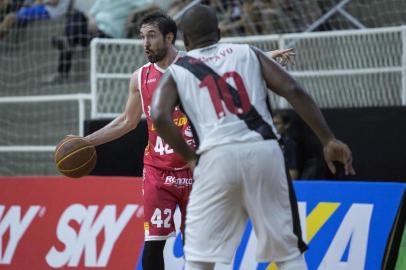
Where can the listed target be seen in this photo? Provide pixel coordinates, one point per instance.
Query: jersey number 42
(161, 147)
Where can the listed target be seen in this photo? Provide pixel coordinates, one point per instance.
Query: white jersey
(224, 95)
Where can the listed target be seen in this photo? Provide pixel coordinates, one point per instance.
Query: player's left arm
(281, 83)
(163, 104)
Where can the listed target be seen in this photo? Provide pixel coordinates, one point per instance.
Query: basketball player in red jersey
(167, 181)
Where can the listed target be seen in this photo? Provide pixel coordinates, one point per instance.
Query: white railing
(80, 98)
(361, 57)
(351, 68)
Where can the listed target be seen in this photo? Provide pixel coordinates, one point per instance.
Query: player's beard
(157, 55)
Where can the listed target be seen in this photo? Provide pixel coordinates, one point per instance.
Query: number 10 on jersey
(236, 100)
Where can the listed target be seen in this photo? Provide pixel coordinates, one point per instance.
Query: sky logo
(84, 242)
(14, 222)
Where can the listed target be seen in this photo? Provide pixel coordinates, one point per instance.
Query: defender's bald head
(199, 25)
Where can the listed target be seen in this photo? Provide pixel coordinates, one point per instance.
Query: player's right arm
(280, 82)
(126, 121)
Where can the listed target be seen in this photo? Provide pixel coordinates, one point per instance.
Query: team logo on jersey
(146, 227)
(180, 121)
(152, 80)
(188, 132)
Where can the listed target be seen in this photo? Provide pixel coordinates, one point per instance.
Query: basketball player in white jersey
(222, 88)
(158, 32)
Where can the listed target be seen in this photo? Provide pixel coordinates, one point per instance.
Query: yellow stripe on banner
(272, 266)
(317, 218)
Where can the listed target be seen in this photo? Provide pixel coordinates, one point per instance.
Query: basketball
(75, 157)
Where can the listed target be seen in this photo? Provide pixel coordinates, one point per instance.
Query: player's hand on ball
(336, 150)
(75, 156)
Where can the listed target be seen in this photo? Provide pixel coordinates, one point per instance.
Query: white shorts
(234, 182)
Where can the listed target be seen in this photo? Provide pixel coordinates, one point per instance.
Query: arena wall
(377, 137)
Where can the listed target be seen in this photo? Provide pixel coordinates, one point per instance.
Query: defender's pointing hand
(336, 150)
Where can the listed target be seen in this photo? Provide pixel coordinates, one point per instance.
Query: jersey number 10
(236, 100)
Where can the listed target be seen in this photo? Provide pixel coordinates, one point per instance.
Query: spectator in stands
(249, 17)
(232, 22)
(282, 123)
(295, 15)
(9, 6)
(132, 26)
(292, 20)
(106, 19)
(39, 10)
(176, 6)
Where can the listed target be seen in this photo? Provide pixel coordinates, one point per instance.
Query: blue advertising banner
(346, 225)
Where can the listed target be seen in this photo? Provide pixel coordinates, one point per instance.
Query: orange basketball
(75, 157)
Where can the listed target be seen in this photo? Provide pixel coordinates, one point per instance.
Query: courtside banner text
(346, 225)
(62, 223)
(96, 223)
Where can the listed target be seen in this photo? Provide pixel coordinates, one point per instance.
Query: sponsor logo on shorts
(181, 181)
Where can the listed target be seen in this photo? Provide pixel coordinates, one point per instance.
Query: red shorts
(163, 191)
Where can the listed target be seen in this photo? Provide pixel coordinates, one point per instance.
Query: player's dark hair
(165, 23)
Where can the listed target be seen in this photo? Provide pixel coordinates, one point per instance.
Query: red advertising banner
(61, 223)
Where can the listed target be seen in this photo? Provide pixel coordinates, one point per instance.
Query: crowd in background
(84, 20)
(237, 17)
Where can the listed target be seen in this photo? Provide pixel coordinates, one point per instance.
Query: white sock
(296, 263)
(198, 265)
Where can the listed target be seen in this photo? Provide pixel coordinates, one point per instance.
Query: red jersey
(158, 153)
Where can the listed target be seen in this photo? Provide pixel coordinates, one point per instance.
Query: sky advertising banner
(97, 223)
